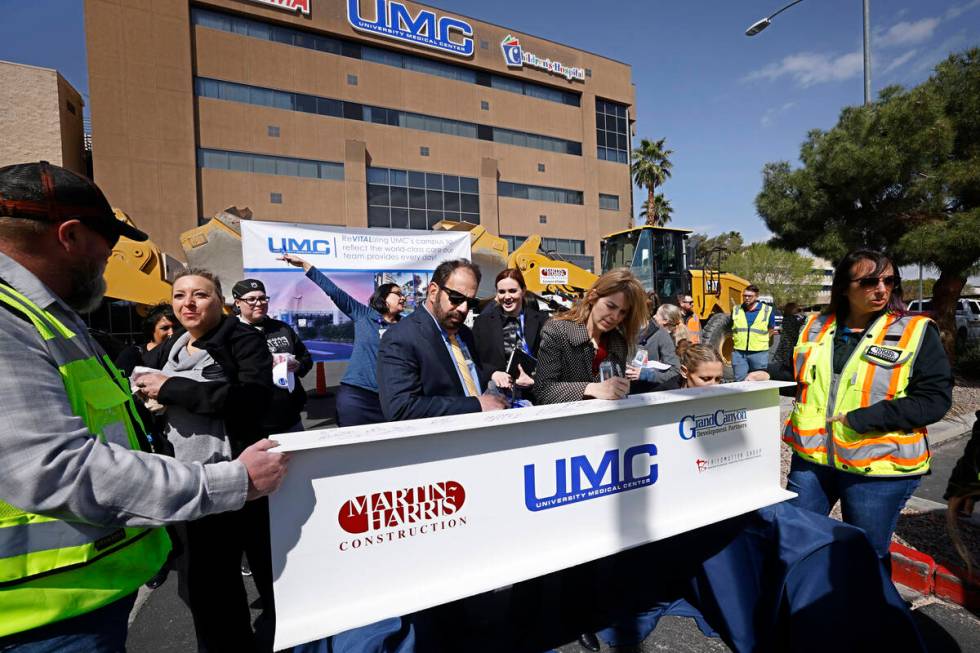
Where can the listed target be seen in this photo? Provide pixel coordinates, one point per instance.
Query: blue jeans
(357, 406)
(744, 362)
(100, 631)
(868, 502)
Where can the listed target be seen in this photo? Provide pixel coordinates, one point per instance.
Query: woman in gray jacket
(658, 339)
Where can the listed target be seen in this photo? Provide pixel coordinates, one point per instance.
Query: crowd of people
(179, 437)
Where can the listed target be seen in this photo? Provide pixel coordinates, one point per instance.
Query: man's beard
(88, 287)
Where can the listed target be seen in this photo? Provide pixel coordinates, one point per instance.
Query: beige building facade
(42, 118)
(376, 113)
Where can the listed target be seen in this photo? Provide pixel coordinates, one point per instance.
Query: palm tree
(651, 168)
(662, 211)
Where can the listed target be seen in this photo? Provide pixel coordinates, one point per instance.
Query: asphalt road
(944, 457)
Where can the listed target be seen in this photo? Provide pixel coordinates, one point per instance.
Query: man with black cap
(78, 498)
(289, 356)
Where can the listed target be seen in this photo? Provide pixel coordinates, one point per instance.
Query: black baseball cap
(50, 193)
(246, 286)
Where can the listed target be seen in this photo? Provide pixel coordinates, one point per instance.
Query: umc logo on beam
(394, 20)
(578, 479)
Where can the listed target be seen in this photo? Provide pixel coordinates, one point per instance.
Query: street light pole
(867, 53)
(763, 23)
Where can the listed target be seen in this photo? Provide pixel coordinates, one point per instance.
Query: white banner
(356, 260)
(383, 520)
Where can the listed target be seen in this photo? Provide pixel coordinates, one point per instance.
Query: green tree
(901, 175)
(730, 242)
(651, 167)
(787, 276)
(662, 211)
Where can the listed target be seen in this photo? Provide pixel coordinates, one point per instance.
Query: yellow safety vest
(754, 337)
(694, 328)
(51, 569)
(878, 370)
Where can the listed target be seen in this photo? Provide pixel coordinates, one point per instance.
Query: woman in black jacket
(509, 322)
(215, 386)
(602, 327)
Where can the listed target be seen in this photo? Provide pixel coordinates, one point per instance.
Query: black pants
(211, 582)
(358, 406)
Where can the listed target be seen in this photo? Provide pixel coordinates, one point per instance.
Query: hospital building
(370, 113)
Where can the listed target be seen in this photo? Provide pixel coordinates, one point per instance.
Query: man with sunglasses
(78, 496)
(252, 306)
(427, 363)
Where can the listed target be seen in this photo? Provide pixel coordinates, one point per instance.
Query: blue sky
(726, 103)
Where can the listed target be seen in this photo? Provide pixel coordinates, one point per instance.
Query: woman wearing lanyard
(508, 323)
(357, 396)
(869, 378)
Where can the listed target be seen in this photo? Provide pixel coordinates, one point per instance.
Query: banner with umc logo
(386, 519)
(356, 260)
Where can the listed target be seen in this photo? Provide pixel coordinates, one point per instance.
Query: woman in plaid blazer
(601, 327)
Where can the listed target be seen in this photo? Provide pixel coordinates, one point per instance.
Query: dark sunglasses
(870, 283)
(456, 298)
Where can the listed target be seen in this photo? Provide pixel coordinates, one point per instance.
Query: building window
(609, 202)
(274, 131)
(588, 72)
(543, 219)
(569, 250)
(539, 193)
(71, 108)
(612, 131)
(341, 47)
(275, 198)
(410, 199)
(513, 242)
(424, 151)
(562, 246)
(351, 80)
(484, 105)
(234, 92)
(269, 165)
(540, 167)
(572, 251)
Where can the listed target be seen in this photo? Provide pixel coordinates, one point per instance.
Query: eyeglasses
(456, 298)
(870, 283)
(253, 301)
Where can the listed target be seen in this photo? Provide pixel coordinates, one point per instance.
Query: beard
(88, 287)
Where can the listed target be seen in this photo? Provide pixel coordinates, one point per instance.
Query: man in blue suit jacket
(427, 363)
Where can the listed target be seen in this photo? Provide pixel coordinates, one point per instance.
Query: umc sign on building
(370, 113)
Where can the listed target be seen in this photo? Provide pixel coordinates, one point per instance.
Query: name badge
(883, 354)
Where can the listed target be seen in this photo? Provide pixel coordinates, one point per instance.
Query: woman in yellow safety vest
(870, 377)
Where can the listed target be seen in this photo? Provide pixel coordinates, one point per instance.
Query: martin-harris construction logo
(513, 53)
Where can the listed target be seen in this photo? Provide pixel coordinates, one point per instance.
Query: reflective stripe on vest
(694, 328)
(52, 569)
(754, 337)
(878, 370)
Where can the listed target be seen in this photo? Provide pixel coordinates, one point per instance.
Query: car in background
(967, 316)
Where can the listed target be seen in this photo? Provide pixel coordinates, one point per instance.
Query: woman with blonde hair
(600, 328)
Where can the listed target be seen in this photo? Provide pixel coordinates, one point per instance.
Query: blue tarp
(777, 579)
